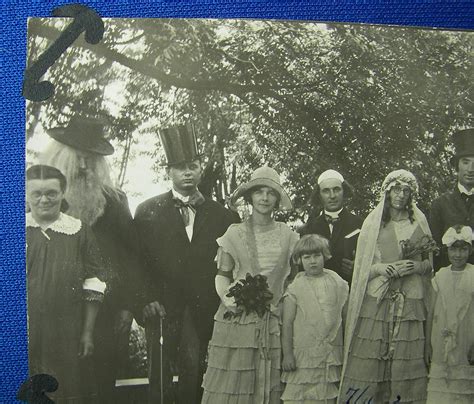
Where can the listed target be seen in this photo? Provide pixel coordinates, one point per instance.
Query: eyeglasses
(50, 195)
(397, 189)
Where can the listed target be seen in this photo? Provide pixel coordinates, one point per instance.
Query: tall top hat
(463, 145)
(83, 133)
(180, 144)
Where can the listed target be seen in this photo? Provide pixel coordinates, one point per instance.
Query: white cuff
(94, 284)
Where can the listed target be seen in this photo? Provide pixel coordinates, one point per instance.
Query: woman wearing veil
(385, 336)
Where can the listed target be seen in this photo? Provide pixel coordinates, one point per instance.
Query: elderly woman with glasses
(385, 337)
(64, 289)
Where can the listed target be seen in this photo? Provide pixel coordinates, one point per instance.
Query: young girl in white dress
(451, 323)
(312, 330)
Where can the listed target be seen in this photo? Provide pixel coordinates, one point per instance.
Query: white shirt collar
(64, 224)
(177, 195)
(464, 190)
(333, 214)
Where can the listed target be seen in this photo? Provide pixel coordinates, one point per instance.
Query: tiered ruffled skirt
(453, 384)
(243, 360)
(316, 378)
(386, 360)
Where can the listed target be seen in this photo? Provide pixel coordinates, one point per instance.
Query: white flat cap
(330, 174)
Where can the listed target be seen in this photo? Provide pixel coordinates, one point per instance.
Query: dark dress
(59, 260)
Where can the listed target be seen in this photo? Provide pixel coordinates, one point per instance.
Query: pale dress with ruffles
(317, 338)
(386, 357)
(451, 378)
(245, 352)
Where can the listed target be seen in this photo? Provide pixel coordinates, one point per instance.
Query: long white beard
(86, 199)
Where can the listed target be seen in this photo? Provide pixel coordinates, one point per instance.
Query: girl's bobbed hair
(310, 244)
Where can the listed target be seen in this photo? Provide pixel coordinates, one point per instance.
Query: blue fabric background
(13, 341)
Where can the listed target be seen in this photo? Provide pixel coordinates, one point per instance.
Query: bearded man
(78, 151)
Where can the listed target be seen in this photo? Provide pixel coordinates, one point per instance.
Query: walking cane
(161, 359)
(150, 359)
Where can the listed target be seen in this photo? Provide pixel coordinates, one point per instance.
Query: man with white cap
(335, 222)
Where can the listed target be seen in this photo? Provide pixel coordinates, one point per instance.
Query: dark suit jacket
(178, 270)
(448, 210)
(340, 246)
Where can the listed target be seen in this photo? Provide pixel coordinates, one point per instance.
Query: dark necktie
(194, 201)
(332, 220)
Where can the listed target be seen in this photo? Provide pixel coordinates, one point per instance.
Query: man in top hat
(178, 232)
(78, 151)
(456, 206)
(335, 223)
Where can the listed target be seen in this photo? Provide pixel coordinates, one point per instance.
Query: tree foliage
(302, 97)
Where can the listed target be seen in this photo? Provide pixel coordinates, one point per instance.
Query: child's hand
(86, 345)
(289, 363)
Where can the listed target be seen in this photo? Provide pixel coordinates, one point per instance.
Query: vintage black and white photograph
(252, 212)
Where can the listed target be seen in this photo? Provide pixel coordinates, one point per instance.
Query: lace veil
(366, 249)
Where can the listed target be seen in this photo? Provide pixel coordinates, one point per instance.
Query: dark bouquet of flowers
(251, 295)
(423, 246)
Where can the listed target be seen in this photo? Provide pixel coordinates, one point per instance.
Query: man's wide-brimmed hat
(83, 133)
(463, 145)
(180, 144)
(263, 177)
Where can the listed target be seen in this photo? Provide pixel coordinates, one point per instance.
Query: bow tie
(331, 220)
(194, 201)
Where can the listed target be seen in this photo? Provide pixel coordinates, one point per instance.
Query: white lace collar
(65, 224)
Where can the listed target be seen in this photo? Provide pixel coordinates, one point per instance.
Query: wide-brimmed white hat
(263, 177)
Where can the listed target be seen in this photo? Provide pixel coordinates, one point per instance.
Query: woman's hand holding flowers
(229, 303)
(250, 294)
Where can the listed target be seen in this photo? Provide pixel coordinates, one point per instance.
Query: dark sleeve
(122, 221)
(231, 218)
(92, 263)
(93, 267)
(129, 288)
(436, 221)
(149, 279)
(307, 228)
